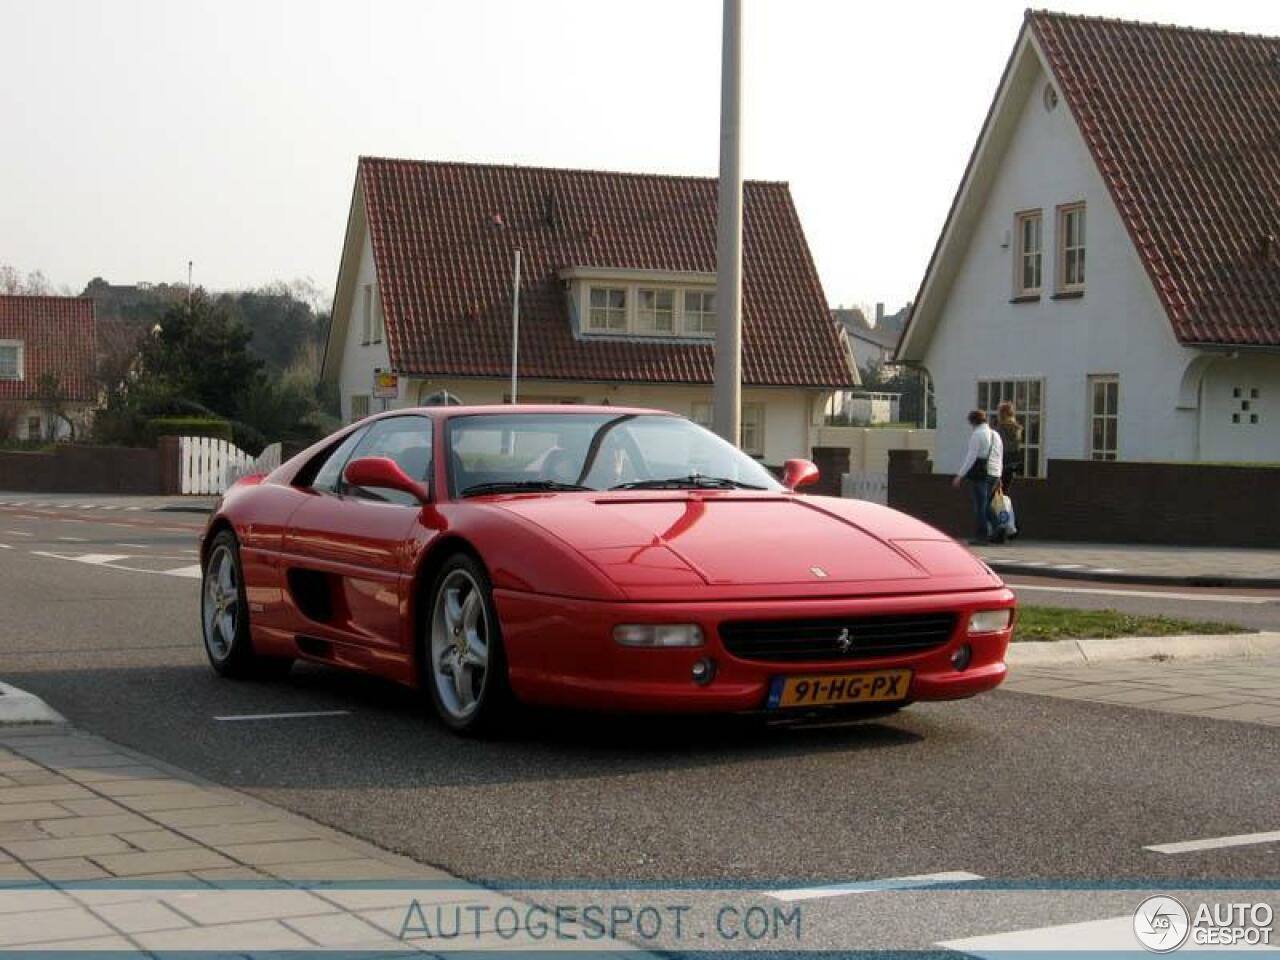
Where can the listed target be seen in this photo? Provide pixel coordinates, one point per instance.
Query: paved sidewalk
(1236, 688)
(106, 849)
(1138, 563)
(106, 503)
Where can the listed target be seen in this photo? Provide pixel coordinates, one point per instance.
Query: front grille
(788, 641)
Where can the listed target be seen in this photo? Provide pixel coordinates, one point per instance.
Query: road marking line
(133, 508)
(74, 539)
(133, 546)
(97, 559)
(871, 886)
(5, 546)
(1149, 594)
(286, 716)
(1216, 843)
(193, 572)
(18, 533)
(1092, 935)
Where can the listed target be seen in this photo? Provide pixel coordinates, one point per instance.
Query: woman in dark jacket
(1010, 431)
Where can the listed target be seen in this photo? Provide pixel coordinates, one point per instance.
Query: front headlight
(990, 621)
(658, 635)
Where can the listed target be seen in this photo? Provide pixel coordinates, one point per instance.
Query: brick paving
(103, 849)
(1105, 559)
(1245, 689)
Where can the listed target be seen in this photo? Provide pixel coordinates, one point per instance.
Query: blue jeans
(983, 518)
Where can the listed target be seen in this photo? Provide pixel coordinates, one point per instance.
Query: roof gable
(1183, 127)
(444, 236)
(58, 336)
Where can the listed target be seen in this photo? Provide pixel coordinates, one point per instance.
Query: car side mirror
(799, 473)
(375, 472)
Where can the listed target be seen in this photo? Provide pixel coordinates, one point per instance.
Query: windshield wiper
(695, 481)
(517, 486)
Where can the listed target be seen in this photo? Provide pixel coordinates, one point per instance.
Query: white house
(53, 338)
(1111, 262)
(617, 296)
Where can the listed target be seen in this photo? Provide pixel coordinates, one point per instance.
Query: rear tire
(464, 664)
(224, 617)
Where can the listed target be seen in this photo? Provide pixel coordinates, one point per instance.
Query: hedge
(158, 427)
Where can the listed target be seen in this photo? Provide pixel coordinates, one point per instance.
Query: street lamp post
(727, 389)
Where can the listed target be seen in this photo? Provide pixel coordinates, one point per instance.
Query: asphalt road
(1007, 786)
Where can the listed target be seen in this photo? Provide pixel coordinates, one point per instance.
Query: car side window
(407, 441)
(328, 478)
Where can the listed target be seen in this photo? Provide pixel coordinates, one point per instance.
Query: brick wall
(77, 468)
(832, 464)
(1085, 500)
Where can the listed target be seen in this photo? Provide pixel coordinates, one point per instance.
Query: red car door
(348, 552)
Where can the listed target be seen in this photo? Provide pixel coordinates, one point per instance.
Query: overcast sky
(138, 134)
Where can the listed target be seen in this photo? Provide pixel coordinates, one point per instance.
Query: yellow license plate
(831, 689)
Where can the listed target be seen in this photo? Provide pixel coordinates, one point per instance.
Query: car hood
(677, 545)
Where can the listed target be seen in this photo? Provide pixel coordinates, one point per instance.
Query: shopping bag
(1002, 507)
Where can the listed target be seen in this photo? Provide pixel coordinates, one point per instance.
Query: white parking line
(192, 572)
(74, 539)
(1092, 935)
(1149, 594)
(5, 546)
(97, 559)
(133, 546)
(1216, 843)
(18, 533)
(286, 716)
(871, 886)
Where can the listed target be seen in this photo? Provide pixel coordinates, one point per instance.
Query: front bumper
(561, 651)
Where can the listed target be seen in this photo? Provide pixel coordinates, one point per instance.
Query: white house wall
(359, 360)
(1118, 327)
(1228, 405)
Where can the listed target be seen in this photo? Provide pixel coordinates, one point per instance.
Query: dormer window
(608, 313)
(657, 304)
(656, 311)
(700, 312)
(11, 360)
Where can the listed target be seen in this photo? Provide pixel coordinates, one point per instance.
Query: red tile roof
(57, 335)
(1184, 126)
(443, 239)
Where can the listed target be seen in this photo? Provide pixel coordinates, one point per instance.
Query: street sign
(386, 385)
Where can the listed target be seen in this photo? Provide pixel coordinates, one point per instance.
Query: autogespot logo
(1161, 924)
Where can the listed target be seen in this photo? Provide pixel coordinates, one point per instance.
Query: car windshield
(493, 453)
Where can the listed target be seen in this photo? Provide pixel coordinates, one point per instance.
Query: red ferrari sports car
(597, 557)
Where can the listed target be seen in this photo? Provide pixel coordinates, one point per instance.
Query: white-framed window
(1104, 416)
(11, 360)
(700, 311)
(359, 406)
(656, 310)
(1029, 257)
(607, 311)
(752, 425)
(1071, 246)
(1027, 396)
(366, 314)
(375, 313)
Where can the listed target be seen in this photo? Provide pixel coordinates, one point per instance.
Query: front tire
(224, 617)
(464, 662)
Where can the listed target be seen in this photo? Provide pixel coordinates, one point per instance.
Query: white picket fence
(210, 465)
(870, 485)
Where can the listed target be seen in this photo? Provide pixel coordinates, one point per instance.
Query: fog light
(704, 671)
(658, 635)
(960, 659)
(990, 621)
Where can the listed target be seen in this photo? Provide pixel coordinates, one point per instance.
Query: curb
(182, 508)
(17, 707)
(1144, 579)
(1196, 647)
